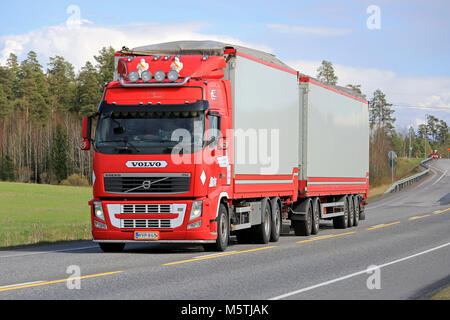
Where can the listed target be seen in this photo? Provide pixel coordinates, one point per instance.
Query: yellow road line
(442, 211)
(383, 225)
(218, 255)
(58, 281)
(326, 237)
(415, 218)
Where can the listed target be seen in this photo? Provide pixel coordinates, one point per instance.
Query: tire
(357, 211)
(342, 221)
(304, 227)
(315, 216)
(275, 229)
(223, 231)
(362, 213)
(261, 233)
(351, 211)
(112, 247)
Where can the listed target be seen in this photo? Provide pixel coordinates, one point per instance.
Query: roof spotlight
(133, 76)
(160, 76)
(146, 76)
(173, 76)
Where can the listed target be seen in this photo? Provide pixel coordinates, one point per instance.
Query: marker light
(173, 76)
(160, 76)
(133, 76)
(146, 76)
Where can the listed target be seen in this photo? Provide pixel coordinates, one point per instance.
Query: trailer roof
(208, 47)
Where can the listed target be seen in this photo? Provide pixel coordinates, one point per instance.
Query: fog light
(195, 224)
(100, 225)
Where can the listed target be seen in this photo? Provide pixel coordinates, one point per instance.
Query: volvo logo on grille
(146, 185)
(146, 164)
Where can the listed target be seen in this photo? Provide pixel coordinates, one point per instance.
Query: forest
(41, 111)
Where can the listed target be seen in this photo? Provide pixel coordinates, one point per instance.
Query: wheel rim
(267, 221)
(223, 228)
(277, 220)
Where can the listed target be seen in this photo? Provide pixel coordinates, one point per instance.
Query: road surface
(401, 251)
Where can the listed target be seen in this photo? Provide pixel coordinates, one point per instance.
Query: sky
(401, 47)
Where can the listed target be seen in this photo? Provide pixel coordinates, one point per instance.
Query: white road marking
(45, 252)
(356, 273)
(211, 255)
(20, 284)
(440, 178)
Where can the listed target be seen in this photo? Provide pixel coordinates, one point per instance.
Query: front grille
(147, 183)
(146, 208)
(146, 223)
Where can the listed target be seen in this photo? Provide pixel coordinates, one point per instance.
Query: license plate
(146, 235)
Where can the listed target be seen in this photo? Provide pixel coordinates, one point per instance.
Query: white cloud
(414, 96)
(79, 42)
(319, 31)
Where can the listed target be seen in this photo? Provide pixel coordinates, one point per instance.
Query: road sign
(392, 163)
(392, 155)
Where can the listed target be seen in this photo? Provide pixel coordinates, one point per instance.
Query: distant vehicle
(433, 155)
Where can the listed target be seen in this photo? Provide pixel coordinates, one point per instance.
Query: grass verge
(31, 214)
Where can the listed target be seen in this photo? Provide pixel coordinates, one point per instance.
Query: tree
(325, 73)
(60, 154)
(33, 88)
(6, 169)
(105, 65)
(5, 105)
(88, 90)
(380, 112)
(61, 80)
(357, 89)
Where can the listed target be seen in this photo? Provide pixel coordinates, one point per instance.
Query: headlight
(146, 76)
(98, 211)
(133, 76)
(160, 76)
(196, 210)
(173, 76)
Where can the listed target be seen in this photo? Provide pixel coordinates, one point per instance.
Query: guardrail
(399, 185)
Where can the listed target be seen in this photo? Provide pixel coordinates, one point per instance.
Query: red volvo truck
(197, 141)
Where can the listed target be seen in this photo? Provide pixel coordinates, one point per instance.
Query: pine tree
(88, 90)
(325, 73)
(6, 169)
(60, 154)
(105, 65)
(61, 80)
(380, 112)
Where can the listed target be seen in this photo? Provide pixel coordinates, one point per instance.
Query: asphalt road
(401, 251)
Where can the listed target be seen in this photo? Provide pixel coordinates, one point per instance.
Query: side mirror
(85, 145)
(86, 133)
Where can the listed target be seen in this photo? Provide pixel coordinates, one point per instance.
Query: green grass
(31, 214)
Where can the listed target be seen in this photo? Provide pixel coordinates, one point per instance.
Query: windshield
(149, 132)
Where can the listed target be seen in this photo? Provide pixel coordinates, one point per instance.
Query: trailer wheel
(276, 220)
(362, 213)
(262, 232)
(315, 216)
(112, 247)
(341, 222)
(351, 211)
(357, 211)
(303, 227)
(223, 231)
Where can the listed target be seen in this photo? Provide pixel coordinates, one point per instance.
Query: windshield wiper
(127, 146)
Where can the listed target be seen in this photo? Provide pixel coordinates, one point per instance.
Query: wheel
(112, 247)
(315, 216)
(303, 227)
(276, 220)
(357, 211)
(341, 222)
(223, 229)
(351, 211)
(262, 232)
(362, 213)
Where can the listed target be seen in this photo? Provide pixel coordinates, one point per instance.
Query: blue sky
(408, 57)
